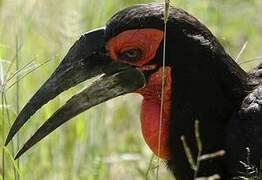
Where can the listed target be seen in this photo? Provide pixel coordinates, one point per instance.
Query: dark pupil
(131, 54)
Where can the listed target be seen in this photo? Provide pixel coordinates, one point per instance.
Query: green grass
(104, 142)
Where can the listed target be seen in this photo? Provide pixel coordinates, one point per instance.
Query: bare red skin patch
(148, 41)
(150, 112)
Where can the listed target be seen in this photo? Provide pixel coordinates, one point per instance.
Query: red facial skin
(148, 40)
(150, 112)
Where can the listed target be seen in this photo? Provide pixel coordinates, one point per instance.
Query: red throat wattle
(148, 41)
(150, 112)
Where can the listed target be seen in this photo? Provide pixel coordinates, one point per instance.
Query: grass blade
(22, 77)
(166, 15)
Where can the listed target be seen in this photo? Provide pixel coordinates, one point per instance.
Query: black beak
(85, 59)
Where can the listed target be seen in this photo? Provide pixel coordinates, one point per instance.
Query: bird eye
(130, 55)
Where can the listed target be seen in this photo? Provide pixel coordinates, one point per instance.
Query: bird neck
(234, 81)
(207, 86)
(154, 122)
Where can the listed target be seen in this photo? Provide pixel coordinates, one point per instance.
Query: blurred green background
(104, 142)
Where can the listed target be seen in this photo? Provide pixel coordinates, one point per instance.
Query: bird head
(127, 53)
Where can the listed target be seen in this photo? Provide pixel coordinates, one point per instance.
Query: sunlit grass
(104, 142)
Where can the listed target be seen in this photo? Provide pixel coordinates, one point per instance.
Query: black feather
(207, 85)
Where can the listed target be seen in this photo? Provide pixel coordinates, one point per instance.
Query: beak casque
(85, 59)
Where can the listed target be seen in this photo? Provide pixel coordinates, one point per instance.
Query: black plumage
(208, 85)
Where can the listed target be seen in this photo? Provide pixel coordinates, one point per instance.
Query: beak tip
(6, 143)
(13, 130)
(8, 139)
(16, 157)
(20, 153)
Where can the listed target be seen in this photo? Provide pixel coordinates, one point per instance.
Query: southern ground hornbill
(201, 82)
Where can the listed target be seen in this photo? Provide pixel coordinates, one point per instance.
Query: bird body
(201, 82)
